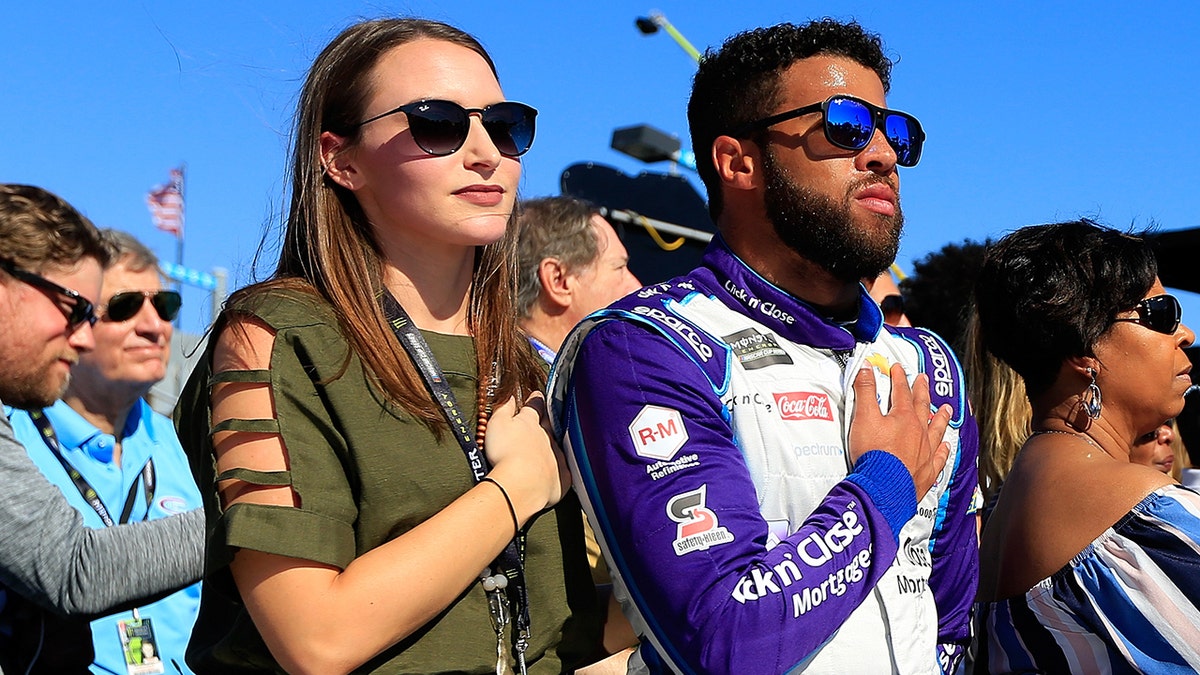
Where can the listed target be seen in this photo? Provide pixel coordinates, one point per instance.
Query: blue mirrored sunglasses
(851, 122)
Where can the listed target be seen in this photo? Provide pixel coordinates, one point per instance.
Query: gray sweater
(51, 558)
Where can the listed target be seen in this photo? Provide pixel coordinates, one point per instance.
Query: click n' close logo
(698, 529)
(803, 405)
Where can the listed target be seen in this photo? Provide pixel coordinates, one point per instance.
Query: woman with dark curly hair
(1090, 563)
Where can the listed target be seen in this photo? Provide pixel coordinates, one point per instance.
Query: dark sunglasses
(851, 122)
(124, 305)
(440, 127)
(74, 306)
(1160, 313)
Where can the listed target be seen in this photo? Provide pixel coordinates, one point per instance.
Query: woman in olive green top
(349, 530)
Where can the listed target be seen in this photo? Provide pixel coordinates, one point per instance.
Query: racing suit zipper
(843, 358)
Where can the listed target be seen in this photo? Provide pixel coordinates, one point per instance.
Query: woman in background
(1090, 563)
(1001, 408)
(378, 478)
(1161, 449)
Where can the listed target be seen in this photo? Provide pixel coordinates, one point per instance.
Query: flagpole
(182, 221)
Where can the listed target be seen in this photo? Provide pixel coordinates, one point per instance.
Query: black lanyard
(509, 562)
(85, 488)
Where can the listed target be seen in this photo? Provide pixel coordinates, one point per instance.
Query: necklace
(508, 602)
(1085, 437)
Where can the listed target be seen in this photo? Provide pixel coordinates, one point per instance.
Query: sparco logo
(803, 405)
(685, 331)
(942, 378)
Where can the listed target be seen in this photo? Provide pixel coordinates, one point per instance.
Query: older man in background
(571, 264)
(115, 459)
(50, 276)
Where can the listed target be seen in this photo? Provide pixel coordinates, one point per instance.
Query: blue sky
(1035, 112)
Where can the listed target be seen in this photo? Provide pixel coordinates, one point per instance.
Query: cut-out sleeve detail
(365, 473)
(251, 426)
(264, 478)
(279, 475)
(251, 376)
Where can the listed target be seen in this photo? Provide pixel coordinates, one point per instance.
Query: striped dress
(1128, 603)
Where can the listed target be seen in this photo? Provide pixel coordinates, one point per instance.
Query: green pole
(677, 36)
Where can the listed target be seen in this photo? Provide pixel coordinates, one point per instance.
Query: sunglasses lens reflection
(902, 133)
(81, 313)
(167, 304)
(124, 305)
(1163, 313)
(848, 124)
(510, 126)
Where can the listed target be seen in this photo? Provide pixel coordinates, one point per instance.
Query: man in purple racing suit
(755, 517)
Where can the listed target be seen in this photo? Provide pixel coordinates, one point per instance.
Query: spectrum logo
(803, 405)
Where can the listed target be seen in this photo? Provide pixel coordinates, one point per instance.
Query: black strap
(423, 358)
(509, 562)
(85, 488)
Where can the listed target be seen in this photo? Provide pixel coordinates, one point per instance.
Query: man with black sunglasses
(757, 452)
(51, 564)
(103, 439)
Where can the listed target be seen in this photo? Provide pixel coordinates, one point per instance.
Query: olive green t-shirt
(366, 472)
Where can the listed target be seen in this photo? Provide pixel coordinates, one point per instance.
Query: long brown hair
(330, 248)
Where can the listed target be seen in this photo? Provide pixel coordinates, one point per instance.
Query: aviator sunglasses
(440, 127)
(1160, 313)
(851, 122)
(124, 305)
(74, 306)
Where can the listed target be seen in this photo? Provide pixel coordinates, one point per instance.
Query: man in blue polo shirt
(115, 459)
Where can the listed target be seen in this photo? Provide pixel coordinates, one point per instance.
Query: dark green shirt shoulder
(366, 472)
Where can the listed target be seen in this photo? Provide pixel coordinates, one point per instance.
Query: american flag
(166, 204)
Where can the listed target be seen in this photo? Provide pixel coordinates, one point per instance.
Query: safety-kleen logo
(698, 529)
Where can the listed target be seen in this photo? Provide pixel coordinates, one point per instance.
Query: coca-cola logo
(803, 405)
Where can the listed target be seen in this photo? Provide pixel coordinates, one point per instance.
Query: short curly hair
(739, 83)
(1047, 293)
